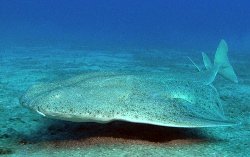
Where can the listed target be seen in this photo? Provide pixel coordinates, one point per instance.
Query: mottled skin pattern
(144, 98)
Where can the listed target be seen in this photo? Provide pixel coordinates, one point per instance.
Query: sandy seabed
(24, 133)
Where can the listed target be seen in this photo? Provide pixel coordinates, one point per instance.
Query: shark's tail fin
(221, 63)
(221, 60)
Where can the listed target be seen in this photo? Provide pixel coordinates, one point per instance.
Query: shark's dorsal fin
(207, 62)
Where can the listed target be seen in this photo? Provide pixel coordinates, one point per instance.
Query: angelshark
(150, 98)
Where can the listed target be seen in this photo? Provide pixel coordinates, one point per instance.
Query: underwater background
(47, 40)
(183, 24)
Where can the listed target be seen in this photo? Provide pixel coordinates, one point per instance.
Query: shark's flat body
(136, 97)
(104, 97)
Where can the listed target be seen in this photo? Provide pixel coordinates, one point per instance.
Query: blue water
(181, 24)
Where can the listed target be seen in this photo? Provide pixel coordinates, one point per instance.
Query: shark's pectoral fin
(189, 115)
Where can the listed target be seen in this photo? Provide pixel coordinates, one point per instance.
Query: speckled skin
(144, 98)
